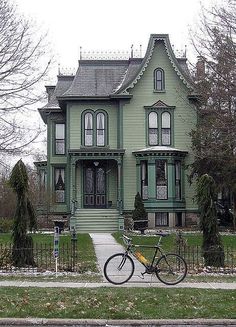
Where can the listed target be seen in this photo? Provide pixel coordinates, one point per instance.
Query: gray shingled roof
(97, 77)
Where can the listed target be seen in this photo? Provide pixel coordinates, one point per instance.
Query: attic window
(159, 79)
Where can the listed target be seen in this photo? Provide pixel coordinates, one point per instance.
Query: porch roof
(104, 153)
(159, 149)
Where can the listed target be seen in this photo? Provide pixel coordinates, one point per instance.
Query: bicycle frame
(131, 249)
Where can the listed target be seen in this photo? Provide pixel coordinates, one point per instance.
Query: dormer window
(159, 80)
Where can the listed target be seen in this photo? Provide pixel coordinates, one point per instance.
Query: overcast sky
(110, 24)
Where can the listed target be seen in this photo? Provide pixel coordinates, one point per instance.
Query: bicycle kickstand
(142, 275)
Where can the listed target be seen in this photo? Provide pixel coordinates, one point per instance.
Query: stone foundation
(47, 221)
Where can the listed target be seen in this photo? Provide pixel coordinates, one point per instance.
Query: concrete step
(95, 220)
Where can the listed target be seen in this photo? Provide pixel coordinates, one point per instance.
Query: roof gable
(178, 65)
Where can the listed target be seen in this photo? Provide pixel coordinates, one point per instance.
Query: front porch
(96, 193)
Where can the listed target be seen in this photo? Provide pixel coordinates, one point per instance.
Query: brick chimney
(49, 89)
(200, 68)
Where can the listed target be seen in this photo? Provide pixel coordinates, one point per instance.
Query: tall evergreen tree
(24, 220)
(139, 214)
(213, 251)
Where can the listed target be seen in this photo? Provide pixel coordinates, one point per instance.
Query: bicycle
(170, 268)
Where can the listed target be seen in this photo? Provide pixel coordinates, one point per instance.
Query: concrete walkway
(105, 245)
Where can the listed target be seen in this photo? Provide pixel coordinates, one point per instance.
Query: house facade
(118, 127)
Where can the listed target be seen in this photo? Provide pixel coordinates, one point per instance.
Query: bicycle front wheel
(119, 268)
(171, 269)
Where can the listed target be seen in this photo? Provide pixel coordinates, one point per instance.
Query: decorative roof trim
(153, 39)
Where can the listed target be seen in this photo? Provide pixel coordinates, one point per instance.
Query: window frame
(165, 128)
(152, 128)
(160, 80)
(159, 112)
(162, 218)
(55, 168)
(59, 139)
(166, 179)
(94, 128)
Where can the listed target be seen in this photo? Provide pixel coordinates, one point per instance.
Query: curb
(115, 323)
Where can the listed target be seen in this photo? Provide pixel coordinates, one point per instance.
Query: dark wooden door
(94, 187)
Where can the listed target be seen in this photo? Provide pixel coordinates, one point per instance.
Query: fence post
(74, 248)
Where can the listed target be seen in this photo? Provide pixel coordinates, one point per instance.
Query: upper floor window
(152, 128)
(159, 80)
(159, 128)
(165, 128)
(95, 128)
(59, 138)
(100, 129)
(88, 129)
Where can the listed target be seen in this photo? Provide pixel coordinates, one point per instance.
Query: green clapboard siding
(134, 127)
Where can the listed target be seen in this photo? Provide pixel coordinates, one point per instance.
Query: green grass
(168, 243)
(117, 303)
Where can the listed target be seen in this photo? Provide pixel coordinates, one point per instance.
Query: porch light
(96, 163)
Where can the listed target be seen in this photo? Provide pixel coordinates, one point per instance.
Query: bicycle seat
(162, 234)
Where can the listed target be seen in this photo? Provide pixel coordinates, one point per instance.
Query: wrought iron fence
(43, 258)
(69, 260)
(196, 263)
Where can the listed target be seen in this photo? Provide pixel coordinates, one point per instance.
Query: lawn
(117, 303)
(169, 243)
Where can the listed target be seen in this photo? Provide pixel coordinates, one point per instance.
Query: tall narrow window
(144, 179)
(60, 138)
(161, 179)
(88, 131)
(159, 79)
(100, 129)
(165, 129)
(178, 180)
(59, 185)
(153, 128)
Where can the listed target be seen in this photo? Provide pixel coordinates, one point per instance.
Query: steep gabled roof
(179, 65)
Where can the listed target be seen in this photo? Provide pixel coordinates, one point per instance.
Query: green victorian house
(115, 128)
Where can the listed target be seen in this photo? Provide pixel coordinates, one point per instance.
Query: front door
(94, 186)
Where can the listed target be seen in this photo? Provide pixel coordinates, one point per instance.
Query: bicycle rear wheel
(119, 268)
(171, 269)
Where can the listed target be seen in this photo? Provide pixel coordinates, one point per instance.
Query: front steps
(95, 220)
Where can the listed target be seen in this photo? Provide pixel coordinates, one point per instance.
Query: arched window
(152, 128)
(159, 79)
(165, 128)
(88, 129)
(100, 125)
